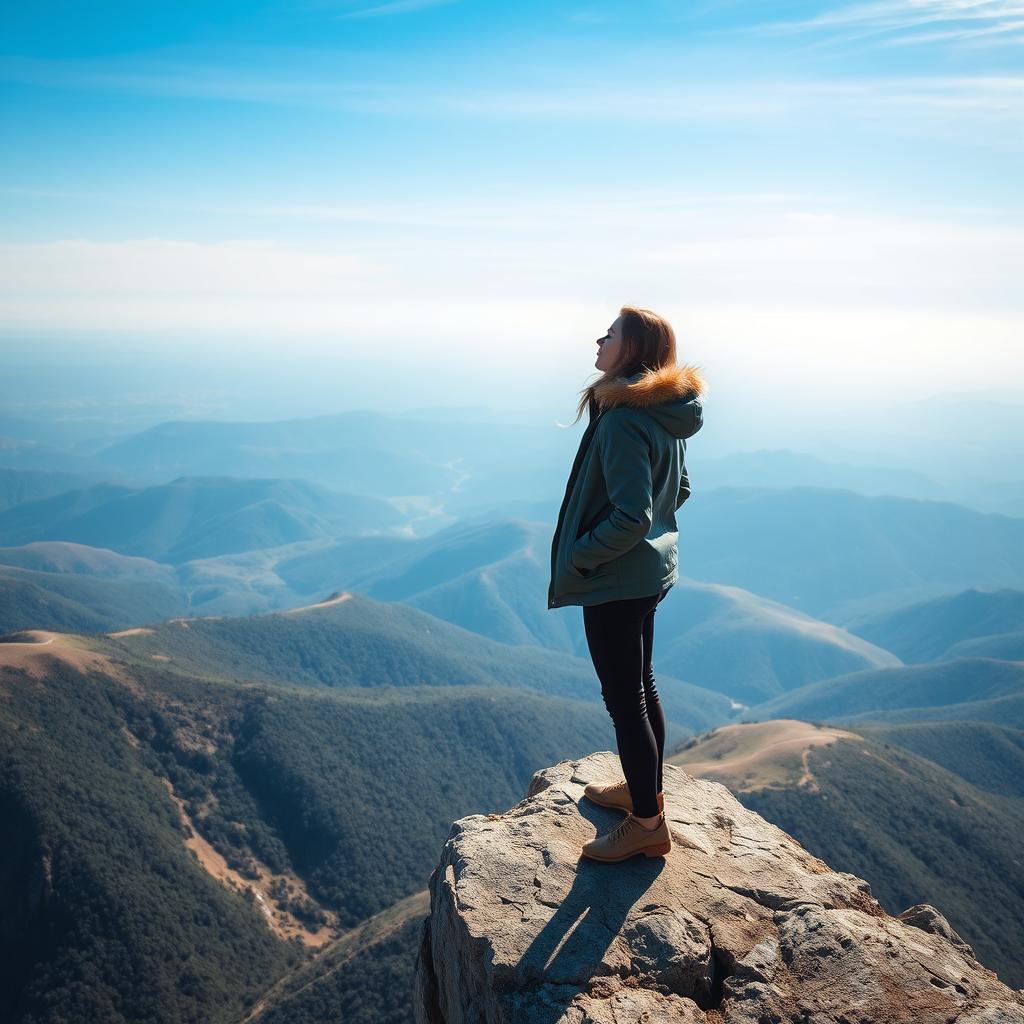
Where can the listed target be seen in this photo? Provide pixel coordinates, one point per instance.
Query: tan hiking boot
(629, 838)
(616, 795)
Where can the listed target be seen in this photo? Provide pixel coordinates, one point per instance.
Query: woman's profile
(615, 552)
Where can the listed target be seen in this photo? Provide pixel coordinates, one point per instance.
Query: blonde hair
(648, 342)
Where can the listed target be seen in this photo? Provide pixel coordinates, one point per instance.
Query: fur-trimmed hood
(671, 394)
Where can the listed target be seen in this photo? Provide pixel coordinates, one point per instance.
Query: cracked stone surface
(738, 924)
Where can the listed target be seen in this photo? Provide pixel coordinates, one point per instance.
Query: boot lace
(622, 828)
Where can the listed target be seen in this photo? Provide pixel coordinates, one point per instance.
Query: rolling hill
(22, 450)
(486, 575)
(84, 604)
(830, 553)
(976, 689)
(784, 467)
(751, 648)
(61, 557)
(350, 640)
(1002, 647)
(357, 452)
(20, 485)
(72, 587)
(195, 517)
(929, 630)
(988, 755)
(454, 460)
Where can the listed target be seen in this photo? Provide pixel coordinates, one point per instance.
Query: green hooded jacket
(616, 535)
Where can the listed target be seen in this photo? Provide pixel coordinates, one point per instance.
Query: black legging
(620, 635)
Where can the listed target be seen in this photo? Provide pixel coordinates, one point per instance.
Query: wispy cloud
(988, 35)
(964, 21)
(750, 250)
(396, 7)
(821, 295)
(756, 99)
(564, 96)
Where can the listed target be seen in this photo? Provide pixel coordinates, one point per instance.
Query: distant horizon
(816, 193)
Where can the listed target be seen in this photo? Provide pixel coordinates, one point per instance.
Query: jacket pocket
(588, 574)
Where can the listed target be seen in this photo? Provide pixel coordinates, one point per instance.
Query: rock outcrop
(739, 923)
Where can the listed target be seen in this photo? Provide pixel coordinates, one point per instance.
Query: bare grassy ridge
(760, 755)
(357, 642)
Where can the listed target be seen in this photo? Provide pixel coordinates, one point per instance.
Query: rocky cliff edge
(739, 923)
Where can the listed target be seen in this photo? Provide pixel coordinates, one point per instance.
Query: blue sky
(825, 184)
(320, 102)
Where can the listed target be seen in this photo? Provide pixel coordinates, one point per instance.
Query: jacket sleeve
(684, 489)
(625, 456)
(684, 477)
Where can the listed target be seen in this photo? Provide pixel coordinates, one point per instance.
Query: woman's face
(609, 348)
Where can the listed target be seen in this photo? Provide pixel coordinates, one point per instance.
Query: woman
(615, 552)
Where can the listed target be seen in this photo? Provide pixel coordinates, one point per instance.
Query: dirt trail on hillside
(344, 949)
(753, 755)
(36, 656)
(278, 918)
(320, 604)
